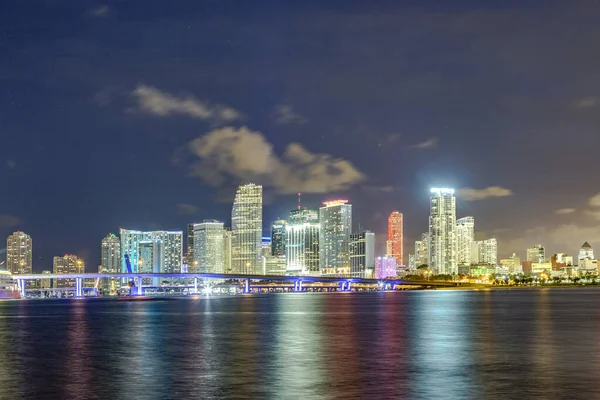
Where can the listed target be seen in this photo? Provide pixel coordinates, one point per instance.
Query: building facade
(395, 240)
(465, 235)
(422, 250)
(484, 252)
(385, 267)
(302, 243)
(246, 230)
(67, 264)
(19, 253)
(335, 219)
(171, 243)
(278, 240)
(585, 253)
(442, 231)
(227, 250)
(209, 247)
(362, 254)
(536, 254)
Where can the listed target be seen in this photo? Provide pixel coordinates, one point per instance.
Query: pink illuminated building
(385, 267)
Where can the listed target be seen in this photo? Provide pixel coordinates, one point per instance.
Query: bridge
(344, 282)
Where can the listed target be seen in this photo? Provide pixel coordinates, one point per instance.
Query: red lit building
(395, 236)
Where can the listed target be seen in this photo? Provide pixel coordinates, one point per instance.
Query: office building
(246, 230)
(302, 242)
(465, 235)
(190, 249)
(442, 231)
(227, 251)
(585, 253)
(484, 252)
(278, 240)
(67, 264)
(422, 250)
(385, 267)
(111, 254)
(362, 254)
(209, 247)
(536, 254)
(19, 252)
(395, 240)
(513, 264)
(335, 219)
(170, 252)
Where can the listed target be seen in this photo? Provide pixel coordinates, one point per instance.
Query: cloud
(595, 201)
(156, 102)
(379, 189)
(470, 194)
(11, 164)
(243, 155)
(428, 144)
(284, 114)
(8, 221)
(586, 102)
(187, 209)
(565, 211)
(594, 214)
(100, 11)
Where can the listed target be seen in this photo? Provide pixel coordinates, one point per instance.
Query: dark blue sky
(146, 114)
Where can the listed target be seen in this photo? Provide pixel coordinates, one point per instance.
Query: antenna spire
(299, 194)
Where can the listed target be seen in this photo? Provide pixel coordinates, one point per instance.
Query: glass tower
(302, 243)
(442, 231)
(246, 230)
(278, 238)
(19, 253)
(209, 247)
(465, 235)
(335, 219)
(170, 242)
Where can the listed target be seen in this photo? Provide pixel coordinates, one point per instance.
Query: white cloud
(586, 102)
(100, 11)
(470, 194)
(187, 209)
(565, 211)
(594, 214)
(156, 102)
(427, 144)
(8, 221)
(243, 155)
(595, 201)
(285, 114)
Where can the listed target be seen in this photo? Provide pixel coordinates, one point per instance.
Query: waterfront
(420, 344)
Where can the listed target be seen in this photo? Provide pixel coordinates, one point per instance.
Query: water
(512, 344)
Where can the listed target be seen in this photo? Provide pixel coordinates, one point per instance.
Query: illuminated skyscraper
(465, 235)
(422, 250)
(395, 240)
(171, 243)
(302, 242)
(334, 237)
(67, 264)
(209, 247)
(227, 250)
(190, 249)
(246, 230)
(111, 254)
(484, 252)
(19, 253)
(442, 231)
(362, 254)
(385, 267)
(278, 238)
(536, 254)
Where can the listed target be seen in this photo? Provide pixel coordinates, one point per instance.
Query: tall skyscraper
(422, 250)
(465, 235)
(302, 242)
(209, 247)
(395, 240)
(536, 254)
(111, 254)
(19, 252)
(334, 237)
(67, 264)
(278, 240)
(484, 252)
(171, 244)
(442, 231)
(362, 254)
(246, 230)
(190, 249)
(227, 267)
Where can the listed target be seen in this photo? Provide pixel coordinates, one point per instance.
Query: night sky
(147, 114)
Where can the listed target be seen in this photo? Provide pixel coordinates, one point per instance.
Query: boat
(9, 289)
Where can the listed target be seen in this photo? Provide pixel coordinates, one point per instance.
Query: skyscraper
(334, 237)
(171, 243)
(227, 250)
(362, 254)
(395, 241)
(385, 267)
(302, 242)
(465, 235)
(442, 231)
(19, 253)
(484, 252)
(246, 230)
(536, 254)
(278, 238)
(190, 249)
(586, 252)
(67, 264)
(111, 254)
(209, 247)
(422, 250)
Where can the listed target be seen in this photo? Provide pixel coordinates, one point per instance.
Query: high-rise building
(536, 254)
(190, 249)
(278, 237)
(385, 267)
(395, 240)
(46, 283)
(171, 244)
(513, 263)
(335, 220)
(246, 230)
(422, 250)
(442, 231)
(302, 242)
(484, 252)
(465, 235)
(19, 253)
(227, 251)
(209, 247)
(362, 254)
(586, 252)
(111, 254)
(67, 264)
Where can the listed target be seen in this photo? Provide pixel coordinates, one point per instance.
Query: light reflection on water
(427, 344)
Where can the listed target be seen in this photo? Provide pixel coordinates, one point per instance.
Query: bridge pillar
(196, 285)
(342, 286)
(298, 285)
(247, 286)
(139, 291)
(349, 288)
(79, 287)
(22, 284)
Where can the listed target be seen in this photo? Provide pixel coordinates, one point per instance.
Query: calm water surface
(423, 345)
